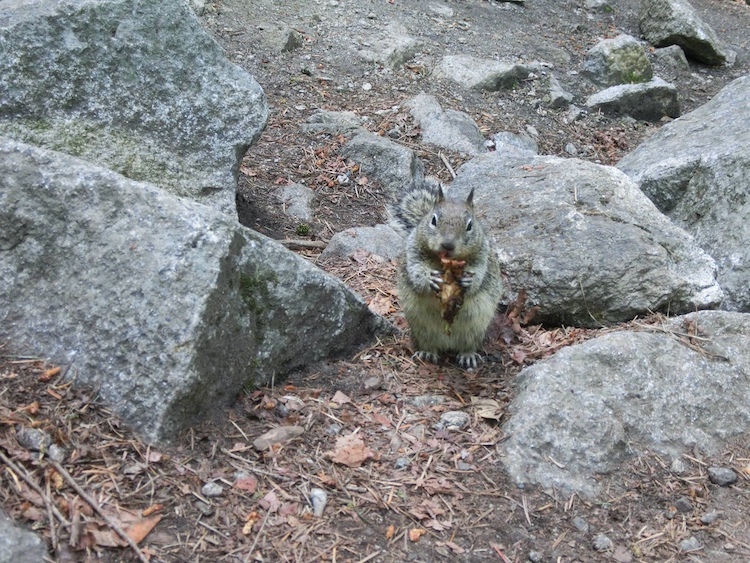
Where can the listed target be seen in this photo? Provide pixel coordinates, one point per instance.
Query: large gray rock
(584, 241)
(650, 101)
(391, 46)
(166, 306)
(18, 545)
(449, 129)
(620, 60)
(675, 22)
(380, 239)
(594, 405)
(138, 87)
(482, 74)
(395, 166)
(697, 171)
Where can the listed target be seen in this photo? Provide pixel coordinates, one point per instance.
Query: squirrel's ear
(470, 199)
(440, 193)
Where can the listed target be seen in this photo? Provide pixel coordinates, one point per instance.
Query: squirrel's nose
(448, 245)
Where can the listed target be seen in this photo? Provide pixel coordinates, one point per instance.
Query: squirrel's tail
(420, 200)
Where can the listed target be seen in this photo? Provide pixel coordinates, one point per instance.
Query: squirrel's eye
(433, 221)
(468, 224)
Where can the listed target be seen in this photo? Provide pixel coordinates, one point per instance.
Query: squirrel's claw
(436, 280)
(425, 356)
(467, 279)
(469, 361)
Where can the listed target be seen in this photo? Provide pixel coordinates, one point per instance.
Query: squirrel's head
(452, 225)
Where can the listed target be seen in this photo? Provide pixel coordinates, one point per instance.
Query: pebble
(709, 517)
(372, 383)
(678, 467)
(333, 429)
(722, 476)
(319, 499)
(454, 420)
(602, 543)
(571, 149)
(56, 453)
(33, 439)
(204, 508)
(683, 505)
(536, 557)
(212, 489)
(402, 463)
(690, 544)
(581, 525)
(366, 86)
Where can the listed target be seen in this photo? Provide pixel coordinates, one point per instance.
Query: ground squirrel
(448, 276)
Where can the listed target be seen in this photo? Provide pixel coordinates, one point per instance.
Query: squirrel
(448, 278)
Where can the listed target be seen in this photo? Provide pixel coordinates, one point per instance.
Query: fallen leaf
(270, 502)
(49, 374)
(142, 528)
(487, 408)
(107, 538)
(351, 451)
(153, 508)
(340, 398)
(381, 305)
(249, 483)
(416, 533)
(382, 420)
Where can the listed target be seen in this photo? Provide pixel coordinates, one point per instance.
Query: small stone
(690, 544)
(421, 401)
(277, 435)
(683, 505)
(333, 429)
(722, 476)
(204, 508)
(536, 557)
(212, 489)
(318, 499)
(56, 453)
(581, 525)
(602, 543)
(571, 149)
(709, 517)
(33, 439)
(401, 463)
(366, 86)
(678, 467)
(454, 420)
(372, 383)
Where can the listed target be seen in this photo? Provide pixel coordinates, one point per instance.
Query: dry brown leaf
(153, 508)
(270, 502)
(142, 528)
(49, 374)
(487, 408)
(249, 483)
(416, 533)
(351, 451)
(381, 305)
(340, 398)
(106, 538)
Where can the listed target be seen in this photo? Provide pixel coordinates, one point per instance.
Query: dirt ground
(367, 428)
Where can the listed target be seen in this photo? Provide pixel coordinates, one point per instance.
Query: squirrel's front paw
(436, 280)
(467, 279)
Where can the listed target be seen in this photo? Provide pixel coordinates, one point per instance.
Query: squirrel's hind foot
(431, 357)
(469, 361)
